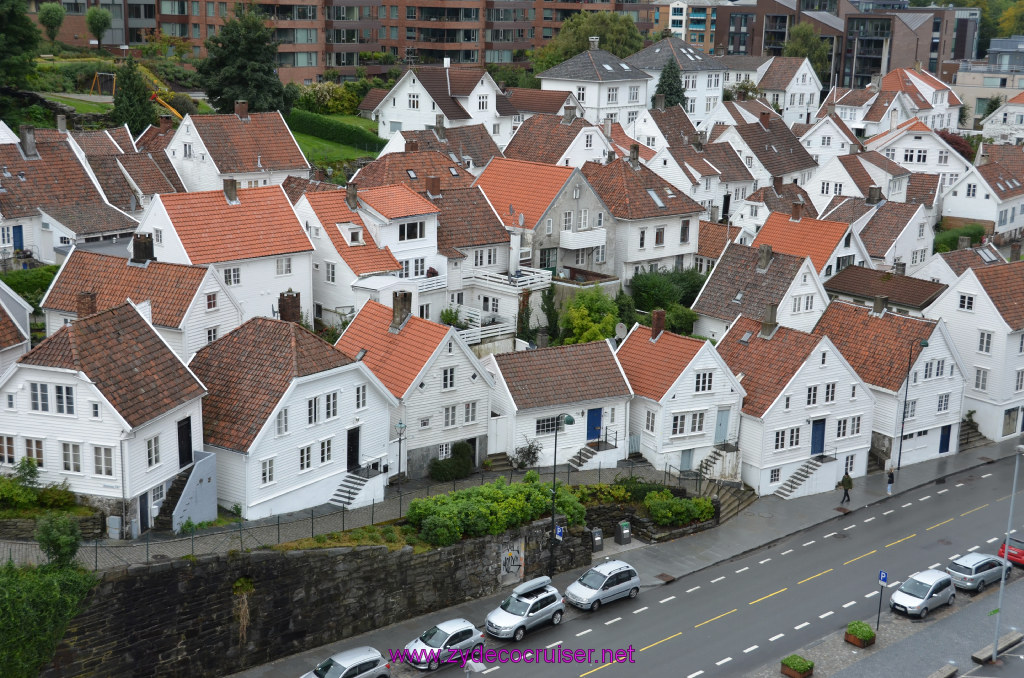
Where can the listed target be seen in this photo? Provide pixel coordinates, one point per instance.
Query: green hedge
(31, 283)
(333, 130)
(946, 241)
(666, 509)
(455, 467)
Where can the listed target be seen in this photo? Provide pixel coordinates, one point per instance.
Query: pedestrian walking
(889, 481)
(847, 484)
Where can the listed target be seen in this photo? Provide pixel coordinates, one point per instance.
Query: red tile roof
(1004, 285)
(808, 237)
(261, 224)
(737, 286)
(714, 237)
(396, 358)
(624, 142)
(855, 168)
(545, 377)
(146, 380)
(843, 96)
(10, 333)
(538, 100)
(776, 147)
(883, 163)
(924, 188)
(556, 133)
(1005, 183)
(780, 73)
(961, 260)
(261, 143)
(248, 371)
(866, 283)
(628, 192)
(1018, 99)
(653, 366)
(522, 187)
(295, 188)
(332, 209)
(888, 221)
(466, 141)
(871, 343)
(912, 125)
(777, 200)
(395, 168)
(396, 201)
(373, 99)
(467, 220)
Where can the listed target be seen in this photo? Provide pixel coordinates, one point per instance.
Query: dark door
(144, 512)
(19, 238)
(594, 423)
(726, 199)
(818, 436)
(944, 438)
(184, 442)
(353, 448)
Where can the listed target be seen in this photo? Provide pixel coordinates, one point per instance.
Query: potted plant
(860, 634)
(796, 666)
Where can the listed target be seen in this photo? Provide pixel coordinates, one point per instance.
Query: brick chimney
(634, 156)
(769, 322)
(85, 304)
(1015, 251)
(401, 308)
(142, 248)
(874, 195)
(242, 109)
(231, 191)
(881, 303)
(412, 146)
(702, 138)
(288, 307)
(831, 110)
(351, 195)
(28, 141)
(568, 115)
(433, 187)
(900, 268)
(659, 102)
(764, 257)
(798, 210)
(963, 242)
(595, 42)
(439, 126)
(765, 119)
(777, 185)
(657, 323)
(611, 157)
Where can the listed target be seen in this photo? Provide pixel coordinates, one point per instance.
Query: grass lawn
(205, 108)
(358, 121)
(392, 536)
(323, 151)
(79, 105)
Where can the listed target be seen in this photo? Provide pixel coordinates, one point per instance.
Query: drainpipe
(124, 495)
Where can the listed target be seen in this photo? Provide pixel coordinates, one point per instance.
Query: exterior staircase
(349, 488)
(500, 463)
(794, 481)
(970, 436)
(732, 500)
(580, 458)
(164, 520)
(707, 464)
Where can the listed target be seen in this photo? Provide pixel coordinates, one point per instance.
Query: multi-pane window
(325, 451)
(284, 266)
(780, 440)
(910, 409)
(34, 450)
(211, 335)
(651, 421)
(448, 378)
(211, 301)
(481, 102)
(684, 231)
(567, 220)
(267, 471)
(281, 422)
(972, 190)
(944, 399)
(830, 393)
(547, 425)
(613, 95)
(984, 342)
(313, 410)
(848, 463)
(305, 458)
(360, 396)
(414, 100)
(72, 453)
(697, 422)
(703, 381)
(7, 450)
(450, 417)
(153, 451)
(444, 450)
(981, 379)
(678, 424)
(855, 425)
(775, 475)
(659, 237)
(940, 367)
(929, 369)
(812, 395)
(40, 397)
(103, 460)
(1020, 381)
(943, 157)
(966, 302)
(232, 276)
(634, 94)
(331, 405)
(470, 413)
(414, 230)
(65, 399)
(329, 271)
(841, 428)
(794, 437)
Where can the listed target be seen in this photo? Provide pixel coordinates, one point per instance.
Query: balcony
(524, 278)
(483, 325)
(578, 240)
(437, 282)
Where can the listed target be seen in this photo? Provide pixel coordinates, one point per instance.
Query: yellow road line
(940, 524)
(859, 557)
(669, 638)
(596, 670)
(817, 575)
(973, 510)
(901, 540)
(709, 621)
(768, 596)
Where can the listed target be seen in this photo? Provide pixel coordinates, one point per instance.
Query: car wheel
(981, 586)
(1006, 575)
(924, 613)
(952, 599)
(432, 666)
(556, 618)
(518, 635)
(596, 605)
(633, 591)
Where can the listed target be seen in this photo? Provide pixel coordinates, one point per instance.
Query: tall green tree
(19, 42)
(590, 316)
(51, 16)
(1011, 22)
(132, 105)
(98, 20)
(242, 64)
(805, 42)
(618, 34)
(671, 85)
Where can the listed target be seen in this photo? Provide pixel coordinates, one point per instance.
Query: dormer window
(355, 236)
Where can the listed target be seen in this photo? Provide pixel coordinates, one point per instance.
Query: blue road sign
(559, 532)
(883, 577)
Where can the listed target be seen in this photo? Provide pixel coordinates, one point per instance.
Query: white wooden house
(791, 84)
(770, 150)
(866, 110)
(947, 267)
(699, 74)
(15, 329)
(991, 194)
(854, 175)
(828, 138)
(1006, 123)
(714, 176)
(930, 100)
(916, 147)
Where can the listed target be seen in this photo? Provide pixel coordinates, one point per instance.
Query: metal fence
(103, 554)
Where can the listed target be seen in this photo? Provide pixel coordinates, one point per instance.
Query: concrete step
(500, 463)
(348, 490)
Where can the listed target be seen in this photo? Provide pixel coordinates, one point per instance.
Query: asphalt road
(732, 617)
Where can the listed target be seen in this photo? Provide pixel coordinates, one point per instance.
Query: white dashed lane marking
(973, 548)
(762, 562)
(809, 543)
(954, 556)
(665, 600)
(868, 520)
(831, 534)
(959, 485)
(723, 661)
(827, 614)
(695, 674)
(742, 569)
(776, 637)
(493, 668)
(693, 589)
(932, 567)
(873, 593)
(639, 611)
(888, 512)
(785, 552)
(943, 491)
(986, 475)
(927, 496)
(612, 621)
(717, 580)
(797, 628)
(895, 583)
(750, 649)
(558, 643)
(583, 633)
(992, 540)
(852, 602)
(909, 503)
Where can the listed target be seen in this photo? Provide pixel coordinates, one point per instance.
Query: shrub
(666, 509)
(798, 663)
(388, 534)
(174, 74)
(333, 130)
(860, 630)
(31, 284)
(56, 496)
(27, 473)
(59, 537)
(14, 495)
(183, 104)
(456, 467)
(441, 530)
(527, 455)
(600, 494)
(704, 509)
(638, 489)
(949, 239)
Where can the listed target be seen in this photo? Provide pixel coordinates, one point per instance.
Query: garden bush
(333, 130)
(455, 467)
(860, 630)
(602, 493)
(31, 284)
(666, 509)
(637, 488)
(946, 241)
(174, 74)
(57, 496)
(59, 537)
(798, 663)
(68, 76)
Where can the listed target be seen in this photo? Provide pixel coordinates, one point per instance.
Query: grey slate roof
(778, 149)
(550, 376)
(594, 65)
(687, 57)
(736, 272)
(742, 62)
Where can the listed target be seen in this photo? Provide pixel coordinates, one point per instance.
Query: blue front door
(594, 423)
(19, 238)
(818, 436)
(944, 438)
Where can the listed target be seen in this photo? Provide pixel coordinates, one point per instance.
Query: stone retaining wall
(608, 516)
(25, 528)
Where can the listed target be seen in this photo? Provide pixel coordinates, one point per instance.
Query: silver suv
(359, 662)
(602, 584)
(923, 591)
(976, 570)
(531, 604)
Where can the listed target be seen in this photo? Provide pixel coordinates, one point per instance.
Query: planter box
(786, 671)
(854, 640)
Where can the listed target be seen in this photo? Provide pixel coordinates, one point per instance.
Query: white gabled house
(930, 100)
(991, 194)
(916, 147)
(791, 84)
(686, 405)
(807, 416)
(830, 245)
(853, 176)
(293, 423)
(699, 74)
(827, 138)
(770, 151)
(712, 175)
(1006, 123)
(15, 329)
(866, 111)
(947, 267)
(591, 388)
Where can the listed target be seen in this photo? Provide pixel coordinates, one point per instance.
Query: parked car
(433, 645)
(602, 584)
(977, 570)
(359, 662)
(531, 604)
(923, 591)
(1016, 554)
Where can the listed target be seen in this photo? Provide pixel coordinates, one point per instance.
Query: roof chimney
(608, 128)
(917, 66)
(982, 159)
(892, 120)
(351, 195)
(765, 118)
(412, 146)
(777, 185)
(86, 304)
(702, 138)
(1015, 251)
(401, 307)
(764, 257)
(595, 42)
(611, 157)
(657, 323)
(142, 248)
(768, 322)
(798, 210)
(439, 126)
(881, 303)
(963, 242)
(714, 213)
(568, 115)
(288, 307)
(28, 141)
(634, 156)
(659, 102)
(900, 268)
(62, 123)
(433, 187)
(242, 109)
(874, 195)
(231, 191)
(831, 110)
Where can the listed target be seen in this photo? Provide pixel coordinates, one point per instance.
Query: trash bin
(598, 536)
(622, 533)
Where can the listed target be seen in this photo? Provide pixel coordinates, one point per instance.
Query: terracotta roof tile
(725, 159)
(628, 192)
(373, 99)
(674, 124)
(912, 125)
(396, 358)
(866, 283)
(845, 209)
(883, 163)
(170, 288)
(593, 65)
(653, 366)
(1004, 285)
(778, 149)
(1009, 156)
(444, 85)
(145, 381)
(332, 209)
(714, 237)
(764, 366)
(10, 333)
(261, 143)
(155, 138)
(295, 188)
(888, 221)
(924, 188)
(623, 141)
(526, 188)
(546, 377)
(557, 136)
(780, 73)
(472, 141)
(466, 220)
(880, 105)
(781, 199)
(538, 100)
(394, 168)
(870, 342)
(1004, 183)
(247, 372)
(736, 286)
(844, 96)
(101, 142)
(261, 224)
(396, 201)
(808, 237)
(855, 168)
(961, 260)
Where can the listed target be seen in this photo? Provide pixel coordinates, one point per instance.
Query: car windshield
(916, 588)
(513, 605)
(1016, 543)
(328, 669)
(433, 637)
(592, 579)
(960, 569)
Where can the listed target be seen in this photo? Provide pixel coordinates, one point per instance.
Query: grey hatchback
(531, 604)
(923, 591)
(606, 582)
(977, 570)
(359, 662)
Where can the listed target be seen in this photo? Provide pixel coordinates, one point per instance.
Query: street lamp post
(554, 480)
(400, 428)
(906, 393)
(1006, 551)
